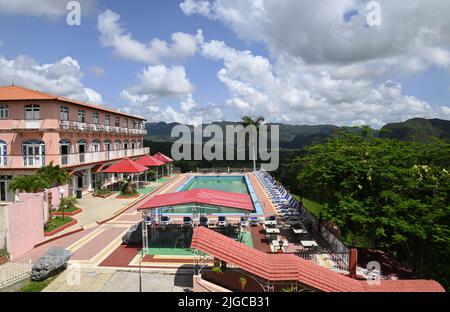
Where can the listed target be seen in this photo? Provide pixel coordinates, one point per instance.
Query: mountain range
(297, 136)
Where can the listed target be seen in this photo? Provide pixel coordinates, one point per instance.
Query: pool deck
(101, 244)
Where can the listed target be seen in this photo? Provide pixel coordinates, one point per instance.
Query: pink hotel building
(38, 128)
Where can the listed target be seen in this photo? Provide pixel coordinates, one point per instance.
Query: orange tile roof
(289, 268)
(17, 93)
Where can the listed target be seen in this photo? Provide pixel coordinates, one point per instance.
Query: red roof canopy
(201, 196)
(289, 268)
(150, 161)
(163, 158)
(126, 166)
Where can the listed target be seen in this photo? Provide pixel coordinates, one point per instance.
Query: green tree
(385, 194)
(28, 184)
(54, 175)
(248, 121)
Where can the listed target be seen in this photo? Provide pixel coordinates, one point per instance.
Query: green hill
(418, 129)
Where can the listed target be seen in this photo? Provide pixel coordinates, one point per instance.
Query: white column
(74, 184)
(89, 179)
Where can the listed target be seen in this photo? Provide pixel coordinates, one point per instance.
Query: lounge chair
(166, 220)
(188, 221)
(222, 221)
(204, 221)
(244, 222)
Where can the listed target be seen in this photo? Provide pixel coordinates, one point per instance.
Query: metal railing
(13, 272)
(78, 126)
(20, 161)
(338, 261)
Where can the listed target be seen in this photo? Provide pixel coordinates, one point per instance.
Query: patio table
(299, 231)
(308, 243)
(272, 231)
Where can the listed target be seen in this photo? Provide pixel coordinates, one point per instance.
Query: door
(80, 182)
(82, 151)
(3, 190)
(64, 154)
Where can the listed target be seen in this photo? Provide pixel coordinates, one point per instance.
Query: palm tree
(54, 175)
(29, 184)
(248, 121)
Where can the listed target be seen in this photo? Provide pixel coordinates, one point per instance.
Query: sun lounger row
(284, 203)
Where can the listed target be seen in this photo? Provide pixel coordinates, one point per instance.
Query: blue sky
(49, 39)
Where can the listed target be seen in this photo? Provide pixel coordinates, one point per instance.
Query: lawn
(55, 223)
(312, 206)
(33, 286)
(70, 209)
(147, 189)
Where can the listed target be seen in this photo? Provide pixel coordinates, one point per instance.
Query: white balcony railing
(33, 124)
(68, 160)
(77, 126)
(84, 158)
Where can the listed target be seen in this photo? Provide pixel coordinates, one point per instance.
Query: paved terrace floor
(92, 246)
(118, 281)
(97, 209)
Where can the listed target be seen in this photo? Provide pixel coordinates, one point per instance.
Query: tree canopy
(386, 194)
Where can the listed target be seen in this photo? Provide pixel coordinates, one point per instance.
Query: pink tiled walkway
(93, 247)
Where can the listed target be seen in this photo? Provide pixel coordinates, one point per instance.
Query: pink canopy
(201, 196)
(162, 157)
(150, 161)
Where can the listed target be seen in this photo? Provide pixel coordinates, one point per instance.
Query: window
(34, 153)
(3, 153)
(117, 122)
(4, 113)
(82, 116)
(134, 124)
(107, 120)
(32, 112)
(125, 123)
(95, 119)
(64, 113)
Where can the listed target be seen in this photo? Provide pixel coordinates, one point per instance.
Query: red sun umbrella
(162, 157)
(150, 161)
(126, 166)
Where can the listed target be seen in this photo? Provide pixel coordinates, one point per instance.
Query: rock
(52, 262)
(134, 235)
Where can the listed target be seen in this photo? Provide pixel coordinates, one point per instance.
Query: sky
(291, 61)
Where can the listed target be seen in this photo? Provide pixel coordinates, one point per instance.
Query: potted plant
(217, 270)
(287, 289)
(242, 282)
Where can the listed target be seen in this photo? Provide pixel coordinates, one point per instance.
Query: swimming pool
(233, 184)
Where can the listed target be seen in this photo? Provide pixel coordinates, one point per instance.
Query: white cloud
(98, 71)
(163, 81)
(42, 8)
(61, 78)
(160, 83)
(322, 68)
(113, 35)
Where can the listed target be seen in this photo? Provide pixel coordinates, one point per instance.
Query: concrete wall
(200, 285)
(55, 199)
(25, 224)
(3, 228)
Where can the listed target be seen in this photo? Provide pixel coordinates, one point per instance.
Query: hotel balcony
(68, 160)
(78, 126)
(65, 126)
